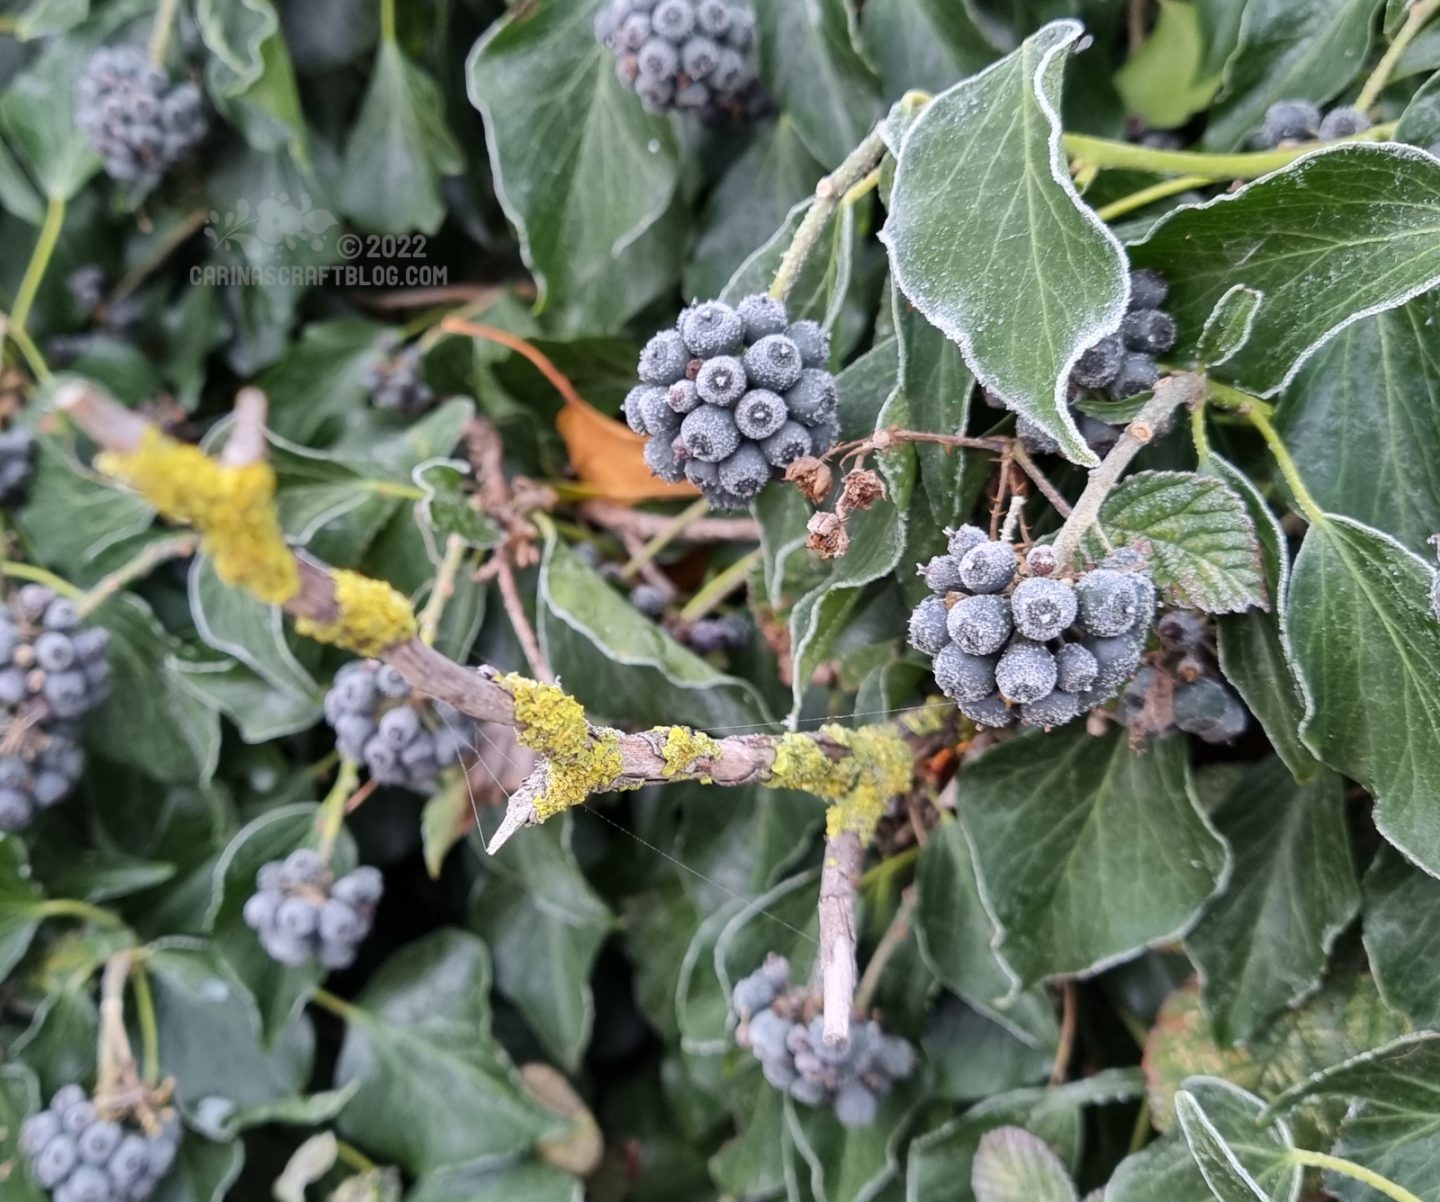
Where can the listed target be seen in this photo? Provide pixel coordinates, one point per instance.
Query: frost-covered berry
(1148, 289)
(813, 341)
(663, 359)
(1208, 709)
(710, 434)
(789, 443)
(647, 410)
(774, 362)
(1099, 436)
(1116, 659)
(988, 711)
(659, 456)
(1075, 669)
(963, 539)
(673, 19)
(699, 57)
(1343, 122)
(712, 328)
(760, 413)
(963, 677)
(823, 435)
(1138, 373)
(928, 632)
(1150, 331)
(649, 600)
(658, 59)
(813, 397)
(942, 574)
(980, 625)
(1042, 607)
(1289, 121)
(751, 995)
(1180, 630)
(987, 568)
(1026, 672)
(721, 381)
(1040, 560)
(1054, 709)
(1107, 602)
(761, 315)
(744, 473)
(1098, 364)
(855, 1106)
(682, 396)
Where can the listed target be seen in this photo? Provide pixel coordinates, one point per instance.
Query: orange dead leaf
(606, 454)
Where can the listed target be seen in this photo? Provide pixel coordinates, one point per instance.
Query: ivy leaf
(1393, 1124)
(752, 1165)
(20, 899)
(1162, 82)
(1200, 541)
(1255, 652)
(1263, 942)
(620, 662)
(399, 149)
(1011, 1165)
(581, 170)
(1374, 690)
(319, 384)
(545, 925)
(1166, 1171)
(1089, 853)
(528, 1181)
(1229, 326)
(926, 44)
(19, 1098)
(1227, 1178)
(1402, 907)
(809, 63)
(1378, 206)
(1288, 48)
(434, 1090)
(821, 287)
(42, 131)
(937, 387)
(989, 240)
(248, 74)
(1362, 420)
(204, 1172)
(446, 507)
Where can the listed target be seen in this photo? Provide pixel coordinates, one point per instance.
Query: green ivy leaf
(42, 131)
(1054, 833)
(1373, 691)
(850, 1165)
(43, 18)
(1163, 82)
(821, 287)
(528, 1181)
(1378, 206)
(1011, 1165)
(1200, 541)
(1263, 942)
(937, 387)
(752, 1165)
(203, 1172)
(1362, 420)
(989, 240)
(1288, 48)
(1402, 905)
(248, 74)
(1229, 1180)
(399, 149)
(926, 44)
(1229, 326)
(434, 1089)
(809, 63)
(580, 168)
(319, 384)
(1393, 1124)
(545, 925)
(20, 898)
(446, 508)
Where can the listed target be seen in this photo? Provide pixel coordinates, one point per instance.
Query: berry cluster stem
(179, 547)
(1107, 153)
(35, 270)
(1356, 1172)
(149, 1027)
(160, 31)
(830, 192)
(664, 537)
(1147, 196)
(114, 1057)
(721, 586)
(442, 589)
(387, 20)
(331, 819)
(1419, 15)
(1170, 394)
(1281, 454)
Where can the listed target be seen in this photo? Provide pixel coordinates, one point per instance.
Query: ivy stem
(351, 1155)
(1106, 152)
(1420, 12)
(1229, 397)
(28, 571)
(1146, 196)
(160, 31)
(1198, 434)
(135, 569)
(720, 586)
(1357, 1172)
(331, 818)
(894, 937)
(39, 263)
(387, 20)
(115, 1060)
(829, 193)
(149, 1028)
(69, 907)
(1170, 394)
(31, 353)
(1281, 454)
(442, 590)
(664, 537)
(337, 1006)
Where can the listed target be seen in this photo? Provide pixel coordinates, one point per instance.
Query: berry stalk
(39, 263)
(1106, 152)
(829, 193)
(1356, 1172)
(1420, 13)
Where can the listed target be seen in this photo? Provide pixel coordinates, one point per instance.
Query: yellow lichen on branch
(552, 724)
(233, 508)
(858, 785)
(683, 747)
(370, 616)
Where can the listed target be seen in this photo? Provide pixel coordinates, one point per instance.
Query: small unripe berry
(964, 538)
(1289, 121)
(683, 396)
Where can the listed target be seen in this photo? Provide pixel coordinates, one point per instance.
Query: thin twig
(520, 621)
(1037, 477)
(723, 584)
(839, 883)
(179, 547)
(644, 524)
(557, 378)
(665, 536)
(442, 589)
(1065, 1047)
(890, 942)
(635, 552)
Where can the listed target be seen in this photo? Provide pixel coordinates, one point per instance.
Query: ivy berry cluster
(135, 119)
(1009, 638)
(76, 1154)
(302, 914)
(732, 396)
(692, 55)
(53, 671)
(1288, 121)
(1123, 363)
(782, 1031)
(400, 736)
(1181, 688)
